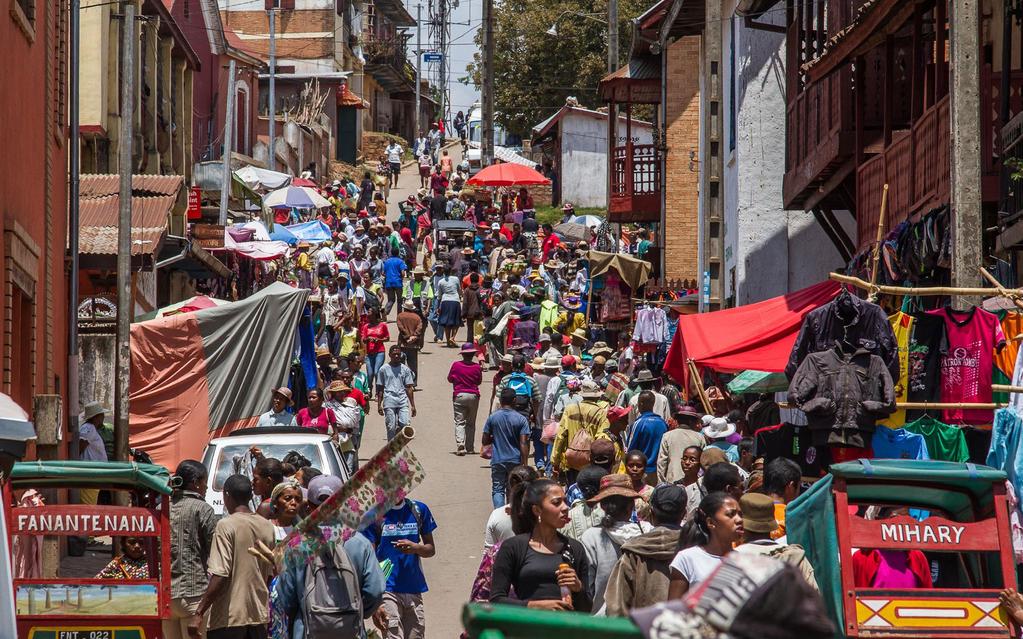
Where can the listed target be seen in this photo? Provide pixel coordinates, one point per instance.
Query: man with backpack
(580, 424)
(404, 537)
(527, 404)
(329, 596)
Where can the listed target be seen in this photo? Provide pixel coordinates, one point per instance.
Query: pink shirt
(466, 378)
(966, 368)
(318, 423)
(893, 571)
(380, 332)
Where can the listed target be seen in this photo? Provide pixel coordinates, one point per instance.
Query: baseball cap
(669, 501)
(321, 487)
(568, 360)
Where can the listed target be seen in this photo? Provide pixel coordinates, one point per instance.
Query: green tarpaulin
(75, 474)
(758, 382)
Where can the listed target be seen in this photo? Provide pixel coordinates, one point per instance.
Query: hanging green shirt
(944, 442)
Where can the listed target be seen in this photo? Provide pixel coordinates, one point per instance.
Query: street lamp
(611, 20)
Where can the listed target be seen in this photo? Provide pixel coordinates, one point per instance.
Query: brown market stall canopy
(634, 271)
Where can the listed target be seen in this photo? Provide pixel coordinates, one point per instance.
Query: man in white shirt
(90, 444)
(394, 156)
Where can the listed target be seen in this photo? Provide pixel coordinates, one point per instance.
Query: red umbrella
(507, 174)
(303, 182)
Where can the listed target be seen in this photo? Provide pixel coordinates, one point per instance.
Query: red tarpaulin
(757, 337)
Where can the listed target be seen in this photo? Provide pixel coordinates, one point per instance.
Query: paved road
(457, 489)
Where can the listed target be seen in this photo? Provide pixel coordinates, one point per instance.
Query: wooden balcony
(820, 136)
(916, 166)
(635, 194)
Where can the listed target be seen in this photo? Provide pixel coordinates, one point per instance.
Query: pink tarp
(755, 337)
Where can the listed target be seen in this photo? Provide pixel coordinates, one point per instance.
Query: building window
(23, 12)
(186, 9)
(21, 263)
(20, 364)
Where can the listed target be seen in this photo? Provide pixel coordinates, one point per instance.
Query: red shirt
(379, 332)
(359, 397)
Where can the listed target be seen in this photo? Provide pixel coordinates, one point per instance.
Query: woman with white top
(715, 527)
(449, 292)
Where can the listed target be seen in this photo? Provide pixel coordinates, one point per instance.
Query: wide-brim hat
(322, 351)
(718, 428)
(553, 264)
(537, 362)
(467, 251)
(507, 359)
(408, 305)
(600, 348)
(644, 375)
(572, 303)
(580, 333)
(418, 271)
(284, 392)
(337, 386)
(468, 348)
(590, 390)
(615, 485)
(688, 411)
(92, 409)
(552, 363)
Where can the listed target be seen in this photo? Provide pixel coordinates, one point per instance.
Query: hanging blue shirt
(898, 443)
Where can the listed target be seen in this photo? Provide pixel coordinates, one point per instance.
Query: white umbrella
(258, 179)
(14, 422)
(295, 197)
(589, 221)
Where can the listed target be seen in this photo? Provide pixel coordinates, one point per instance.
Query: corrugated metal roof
(645, 67)
(99, 185)
(102, 240)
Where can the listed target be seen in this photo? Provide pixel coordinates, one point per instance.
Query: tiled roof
(98, 218)
(98, 185)
(102, 240)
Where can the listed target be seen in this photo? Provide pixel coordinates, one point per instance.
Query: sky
(465, 22)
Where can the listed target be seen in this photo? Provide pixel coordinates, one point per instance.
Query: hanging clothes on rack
(902, 327)
(928, 344)
(944, 442)
(966, 369)
(849, 318)
(651, 325)
(1005, 359)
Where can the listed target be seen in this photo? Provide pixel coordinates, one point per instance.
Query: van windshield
(230, 457)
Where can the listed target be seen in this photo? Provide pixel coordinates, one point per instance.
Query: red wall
(33, 187)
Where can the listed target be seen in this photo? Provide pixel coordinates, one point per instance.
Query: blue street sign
(432, 57)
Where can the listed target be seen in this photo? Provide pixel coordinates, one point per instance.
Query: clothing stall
(615, 279)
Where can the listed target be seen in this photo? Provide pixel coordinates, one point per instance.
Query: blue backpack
(522, 384)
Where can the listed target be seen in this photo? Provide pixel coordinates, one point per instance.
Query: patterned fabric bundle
(380, 484)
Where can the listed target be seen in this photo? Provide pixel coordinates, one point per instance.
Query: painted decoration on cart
(87, 632)
(85, 600)
(907, 613)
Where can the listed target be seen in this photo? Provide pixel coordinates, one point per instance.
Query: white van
(223, 454)
(475, 137)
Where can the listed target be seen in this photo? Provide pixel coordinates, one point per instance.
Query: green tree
(535, 72)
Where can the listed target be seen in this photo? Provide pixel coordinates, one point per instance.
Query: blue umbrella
(281, 233)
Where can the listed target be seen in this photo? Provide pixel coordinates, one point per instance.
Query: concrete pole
(612, 36)
(225, 183)
(74, 182)
(419, 73)
(967, 238)
(443, 72)
(271, 163)
(124, 299)
(487, 123)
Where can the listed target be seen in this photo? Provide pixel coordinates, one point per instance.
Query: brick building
(33, 199)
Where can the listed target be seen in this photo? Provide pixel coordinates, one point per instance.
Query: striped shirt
(192, 523)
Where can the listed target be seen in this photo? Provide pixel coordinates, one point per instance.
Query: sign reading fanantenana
(81, 520)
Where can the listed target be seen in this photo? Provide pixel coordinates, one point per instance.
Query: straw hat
(337, 386)
(322, 351)
(92, 409)
(616, 485)
(580, 333)
(538, 362)
(552, 363)
(600, 348)
(284, 392)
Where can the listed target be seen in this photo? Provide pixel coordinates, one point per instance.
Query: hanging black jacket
(842, 395)
(869, 330)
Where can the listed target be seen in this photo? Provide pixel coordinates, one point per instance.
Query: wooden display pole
(877, 243)
(920, 292)
(1001, 289)
(698, 381)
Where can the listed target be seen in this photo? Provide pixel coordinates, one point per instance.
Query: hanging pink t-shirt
(966, 367)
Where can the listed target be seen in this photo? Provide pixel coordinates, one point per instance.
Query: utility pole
(612, 36)
(225, 184)
(419, 71)
(124, 301)
(964, 105)
(271, 162)
(74, 182)
(487, 117)
(443, 58)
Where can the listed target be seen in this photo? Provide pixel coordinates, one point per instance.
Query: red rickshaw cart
(72, 605)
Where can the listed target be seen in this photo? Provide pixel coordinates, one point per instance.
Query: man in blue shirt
(404, 536)
(508, 431)
(647, 432)
(394, 273)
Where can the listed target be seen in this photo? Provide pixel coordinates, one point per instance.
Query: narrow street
(456, 489)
